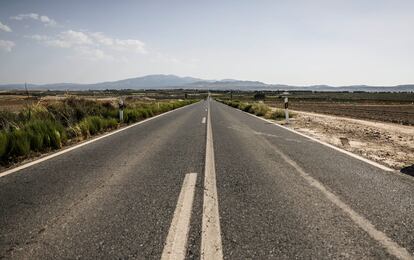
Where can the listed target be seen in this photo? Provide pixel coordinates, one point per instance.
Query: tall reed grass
(41, 128)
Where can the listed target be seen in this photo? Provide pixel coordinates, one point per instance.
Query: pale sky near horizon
(296, 42)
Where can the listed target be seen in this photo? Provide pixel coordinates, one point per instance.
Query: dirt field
(389, 144)
(395, 113)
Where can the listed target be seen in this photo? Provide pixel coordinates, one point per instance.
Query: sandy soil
(387, 143)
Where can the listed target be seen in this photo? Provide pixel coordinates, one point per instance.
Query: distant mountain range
(175, 82)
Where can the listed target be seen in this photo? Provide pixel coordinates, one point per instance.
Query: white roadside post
(286, 110)
(121, 110)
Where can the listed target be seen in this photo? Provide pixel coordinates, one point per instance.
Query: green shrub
(19, 144)
(277, 114)
(84, 128)
(110, 123)
(36, 139)
(7, 118)
(42, 127)
(144, 112)
(259, 109)
(150, 112)
(73, 110)
(245, 107)
(132, 115)
(57, 138)
(45, 134)
(3, 144)
(94, 124)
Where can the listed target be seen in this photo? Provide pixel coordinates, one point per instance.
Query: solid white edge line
(382, 167)
(176, 243)
(392, 247)
(65, 150)
(211, 245)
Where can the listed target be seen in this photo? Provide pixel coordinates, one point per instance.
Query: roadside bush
(47, 126)
(110, 123)
(163, 107)
(73, 110)
(259, 109)
(7, 118)
(234, 104)
(277, 114)
(18, 144)
(245, 107)
(132, 115)
(144, 112)
(57, 134)
(44, 134)
(94, 124)
(35, 135)
(3, 144)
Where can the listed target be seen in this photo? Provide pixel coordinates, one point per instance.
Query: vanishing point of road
(205, 181)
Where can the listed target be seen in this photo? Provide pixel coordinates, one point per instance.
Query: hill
(160, 81)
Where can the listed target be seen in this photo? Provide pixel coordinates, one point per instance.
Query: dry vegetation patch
(51, 123)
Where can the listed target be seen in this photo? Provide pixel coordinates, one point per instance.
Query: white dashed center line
(176, 243)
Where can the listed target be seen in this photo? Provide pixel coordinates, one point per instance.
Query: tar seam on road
(382, 167)
(211, 246)
(392, 247)
(176, 244)
(24, 166)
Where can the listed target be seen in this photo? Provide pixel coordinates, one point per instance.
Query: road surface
(205, 181)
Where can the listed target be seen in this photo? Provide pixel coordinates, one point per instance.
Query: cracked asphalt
(115, 198)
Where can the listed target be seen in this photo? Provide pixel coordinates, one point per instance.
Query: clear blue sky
(298, 42)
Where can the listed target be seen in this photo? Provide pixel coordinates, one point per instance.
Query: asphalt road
(205, 183)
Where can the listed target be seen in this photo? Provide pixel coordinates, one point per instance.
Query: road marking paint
(211, 246)
(203, 121)
(176, 243)
(266, 134)
(24, 166)
(382, 167)
(392, 247)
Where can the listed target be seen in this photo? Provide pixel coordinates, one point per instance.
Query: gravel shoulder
(387, 143)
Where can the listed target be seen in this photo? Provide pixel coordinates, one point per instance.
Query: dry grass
(45, 126)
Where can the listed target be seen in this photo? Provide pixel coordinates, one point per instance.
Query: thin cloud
(38, 37)
(95, 43)
(71, 38)
(93, 54)
(6, 46)
(132, 45)
(34, 16)
(4, 27)
(66, 39)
